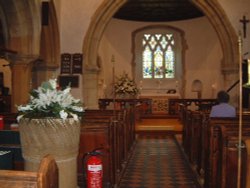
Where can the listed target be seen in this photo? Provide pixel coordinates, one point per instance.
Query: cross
(244, 21)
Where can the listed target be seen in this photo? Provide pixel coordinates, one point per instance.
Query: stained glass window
(158, 59)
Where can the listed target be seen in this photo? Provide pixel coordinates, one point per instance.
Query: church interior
(147, 73)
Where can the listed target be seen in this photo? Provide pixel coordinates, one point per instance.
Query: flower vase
(57, 137)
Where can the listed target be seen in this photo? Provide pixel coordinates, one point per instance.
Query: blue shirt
(223, 110)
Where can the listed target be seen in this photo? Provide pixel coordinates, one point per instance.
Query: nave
(155, 151)
(157, 162)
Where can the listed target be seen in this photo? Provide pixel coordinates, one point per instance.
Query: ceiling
(158, 10)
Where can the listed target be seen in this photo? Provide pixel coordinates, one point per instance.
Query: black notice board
(77, 63)
(66, 63)
(72, 81)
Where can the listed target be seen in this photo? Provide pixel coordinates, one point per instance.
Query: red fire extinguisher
(94, 169)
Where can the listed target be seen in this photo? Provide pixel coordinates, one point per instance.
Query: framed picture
(72, 81)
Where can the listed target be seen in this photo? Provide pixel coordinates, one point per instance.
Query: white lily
(63, 114)
(53, 83)
(19, 117)
(47, 101)
(75, 117)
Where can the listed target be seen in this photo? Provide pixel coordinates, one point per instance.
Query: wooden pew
(207, 150)
(45, 177)
(121, 121)
(247, 165)
(98, 134)
(220, 129)
(191, 134)
(126, 122)
(110, 130)
(195, 137)
(102, 132)
(200, 104)
(230, 163)
(186, 133)
(124, 127)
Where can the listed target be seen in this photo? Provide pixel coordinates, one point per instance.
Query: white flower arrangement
(125, 85)
(50, 101)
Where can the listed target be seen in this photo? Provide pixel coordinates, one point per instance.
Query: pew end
(45, 177)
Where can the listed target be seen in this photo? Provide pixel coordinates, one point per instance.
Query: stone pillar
(90, 87)
(21, 68)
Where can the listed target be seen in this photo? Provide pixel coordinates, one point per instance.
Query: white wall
(76, 16)
(235, 11)
(202, 57)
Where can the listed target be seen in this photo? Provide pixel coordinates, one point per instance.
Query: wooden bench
(110, 130)
(45, 177)
(126, 127)
(100, 133)
(200, 104)
(121, 121)
(131, 106)
(208, 145)
(220, 133)
(230, 159)
(247, 176)
(93, 137)
(208, 154)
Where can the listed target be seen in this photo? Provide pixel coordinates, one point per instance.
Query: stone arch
(226, 34)
(211, 8)
(20, 34)
(45, 67)
(31, 41)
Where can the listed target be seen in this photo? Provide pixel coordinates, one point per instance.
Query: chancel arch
(212, 10)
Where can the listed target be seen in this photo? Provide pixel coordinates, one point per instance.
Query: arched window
(158, 58)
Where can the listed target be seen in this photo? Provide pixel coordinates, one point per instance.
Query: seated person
(223, 109)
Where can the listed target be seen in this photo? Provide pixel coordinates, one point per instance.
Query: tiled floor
(157, 162)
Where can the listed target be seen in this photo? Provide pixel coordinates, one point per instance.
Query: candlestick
(114, 94)
(113, 73)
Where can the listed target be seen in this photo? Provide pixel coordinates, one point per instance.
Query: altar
(159, 104)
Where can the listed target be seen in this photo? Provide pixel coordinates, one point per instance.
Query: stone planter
(52, 136)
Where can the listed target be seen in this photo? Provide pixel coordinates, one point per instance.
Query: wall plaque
(66, 63)
(77, 63)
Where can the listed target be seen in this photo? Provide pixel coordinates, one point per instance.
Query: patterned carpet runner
(158, 162)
